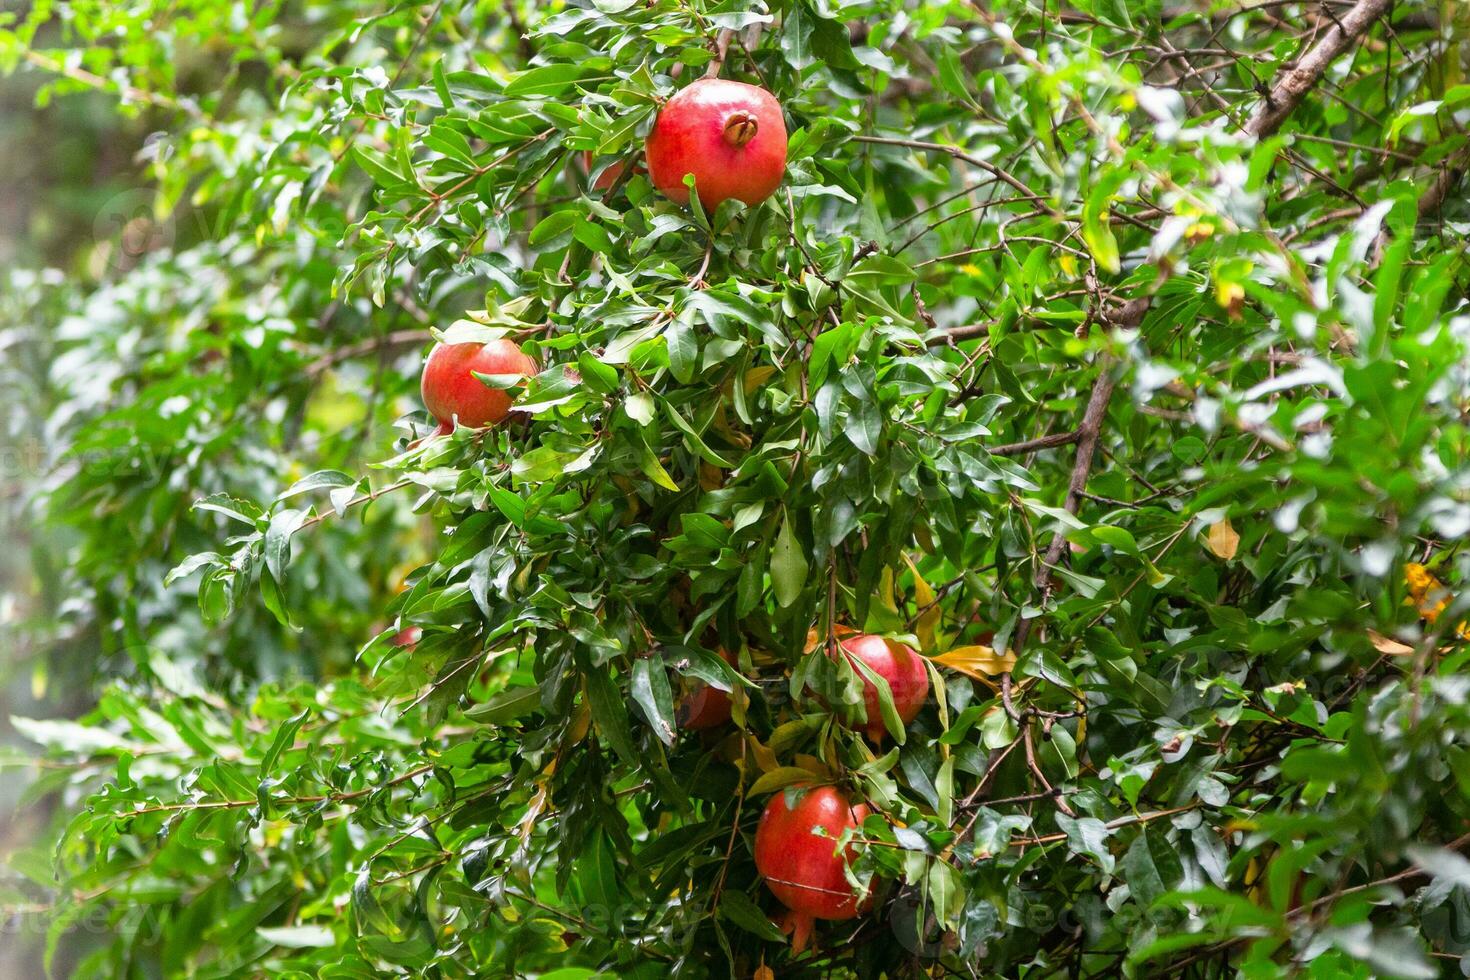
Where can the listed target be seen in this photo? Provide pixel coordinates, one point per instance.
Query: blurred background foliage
(1233, 639)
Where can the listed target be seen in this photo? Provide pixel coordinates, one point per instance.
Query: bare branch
(722, 47)
(397, 340)
(1292, 85)
(1032, 445)
(1129, 314)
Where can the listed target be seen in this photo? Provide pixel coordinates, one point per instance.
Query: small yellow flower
(1199, 230)
(1230, 296)
(1426, 592)
(1429, 596)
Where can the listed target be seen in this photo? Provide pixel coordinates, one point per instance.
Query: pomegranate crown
(740, 128)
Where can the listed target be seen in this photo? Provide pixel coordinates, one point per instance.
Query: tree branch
(1444, 181)
(1129, 314)
(1088, 434)
(1292, 85)
(1031, 445)
(722, 47)
(397, 340)
(966, 332)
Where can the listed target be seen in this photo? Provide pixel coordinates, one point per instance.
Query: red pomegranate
(802, 866)
(608, 177)
(704, 706)
(451, 390)
(729, 135)
(901, 667)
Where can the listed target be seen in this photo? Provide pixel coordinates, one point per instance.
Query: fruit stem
(740, 129)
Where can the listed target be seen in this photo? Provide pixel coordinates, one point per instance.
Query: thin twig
(289, 801)
(959, 154)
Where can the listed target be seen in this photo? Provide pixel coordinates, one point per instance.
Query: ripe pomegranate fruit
(451, 390)
(704, 706)
(729, 135)
(803, 868)
(901, 667)
(608, 177)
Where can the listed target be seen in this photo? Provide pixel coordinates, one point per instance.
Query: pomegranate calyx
(740, 129)
(799, 926)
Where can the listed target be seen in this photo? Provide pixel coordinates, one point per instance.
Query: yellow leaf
(789, 734)
(976, 661)
(885, 591)
(538, 803)
(813, 765)
(1252, 880)
(765, 759)
(780, 779)
(739, 702)
(923, 594)
(928, 620)
(814, 637)
(581, 720)
(756, 377)
(1384, 644)
(732, 435)
(1222, 539)
(764, 972)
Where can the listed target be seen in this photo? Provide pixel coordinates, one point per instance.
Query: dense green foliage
(1125, 340)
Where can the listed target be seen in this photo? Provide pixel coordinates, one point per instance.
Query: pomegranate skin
(901, 667)
(609, 176)
(729, 135)
(802, 869)
(705, 706)
(451, 390)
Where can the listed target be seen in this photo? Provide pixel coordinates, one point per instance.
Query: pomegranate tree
(797, 852)
(729, 135)
(452, 392)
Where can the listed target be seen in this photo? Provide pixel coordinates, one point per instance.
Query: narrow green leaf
(788, 564)
(545, 81)
(610, 714)
(507, 706)
(649, 686)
